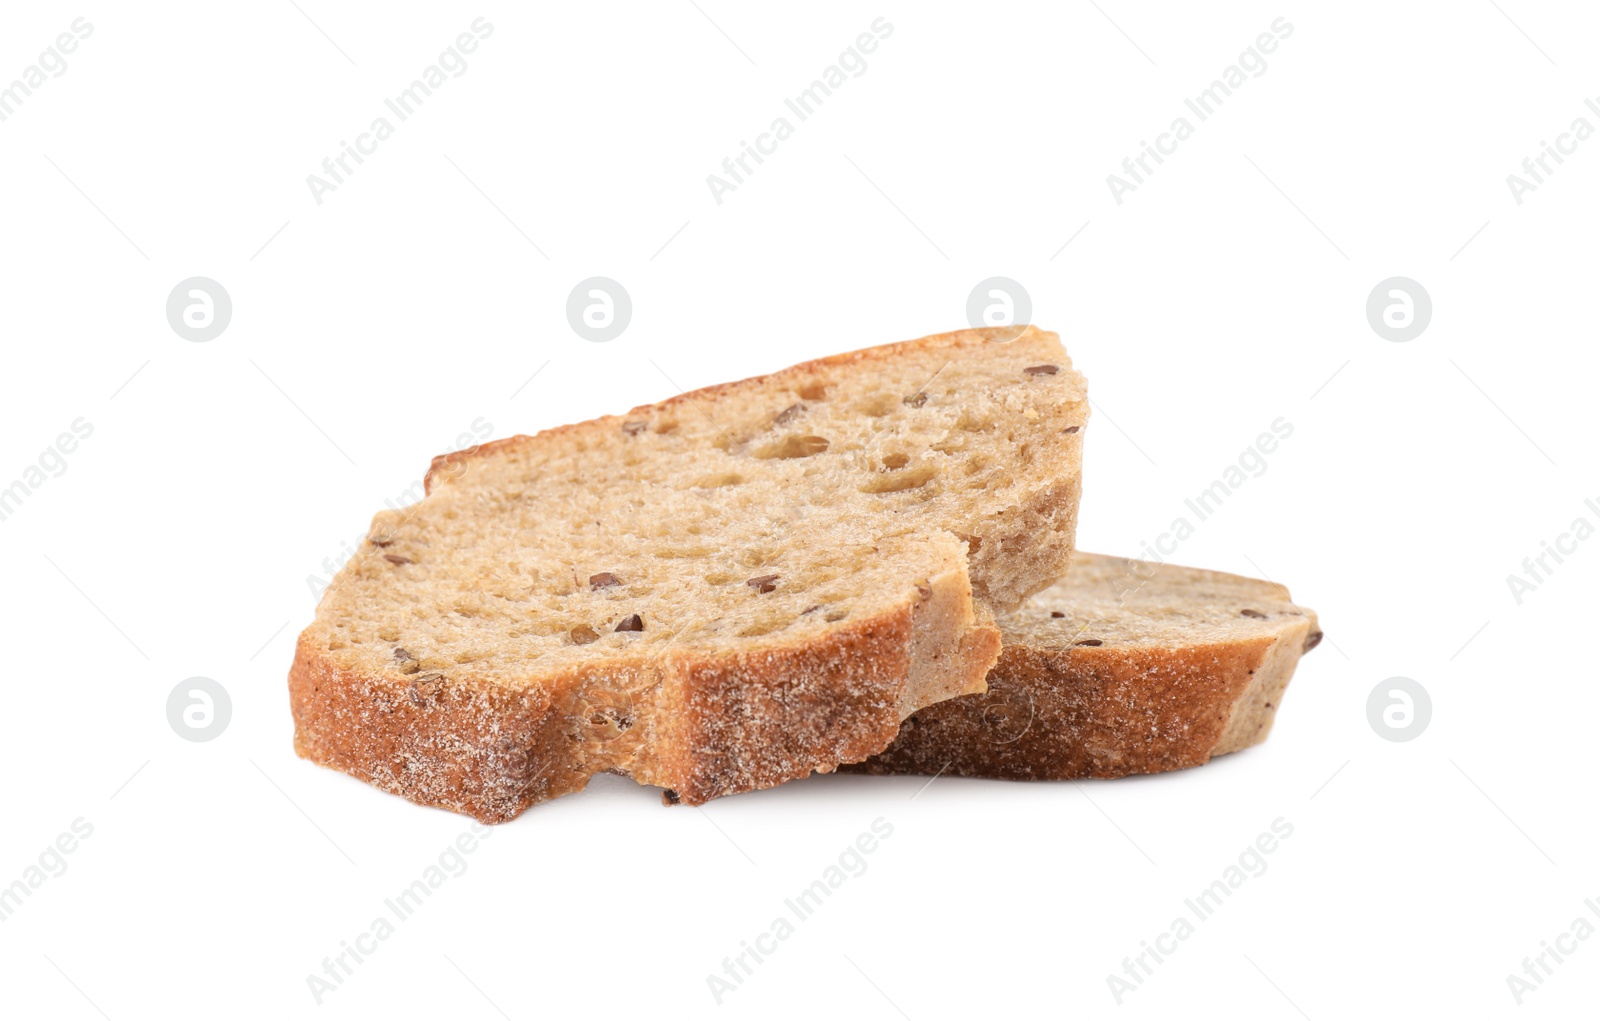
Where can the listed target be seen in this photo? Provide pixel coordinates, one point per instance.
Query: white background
(371, 331)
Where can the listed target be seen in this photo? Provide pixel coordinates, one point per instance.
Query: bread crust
(469, 747)
(1067, 712)
(956, 340)
(701, 726)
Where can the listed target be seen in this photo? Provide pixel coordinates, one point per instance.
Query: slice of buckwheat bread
(1123, 667)
(717, 593)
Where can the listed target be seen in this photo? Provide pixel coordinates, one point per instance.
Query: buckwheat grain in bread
(717, 593)
(1123, 667)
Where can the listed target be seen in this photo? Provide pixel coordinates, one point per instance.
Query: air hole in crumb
(899, 482)
(793, 446)
(814, 392)
(896, 461)
(681, 553)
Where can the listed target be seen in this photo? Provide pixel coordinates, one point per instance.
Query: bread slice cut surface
(717, 593)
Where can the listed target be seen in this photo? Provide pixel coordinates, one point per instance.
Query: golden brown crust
(744, 721)
(700, 726)
(465, 746)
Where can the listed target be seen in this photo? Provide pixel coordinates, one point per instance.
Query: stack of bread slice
(862, 561)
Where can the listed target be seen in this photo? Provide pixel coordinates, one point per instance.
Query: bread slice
(1123, 667)
(713, 594)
